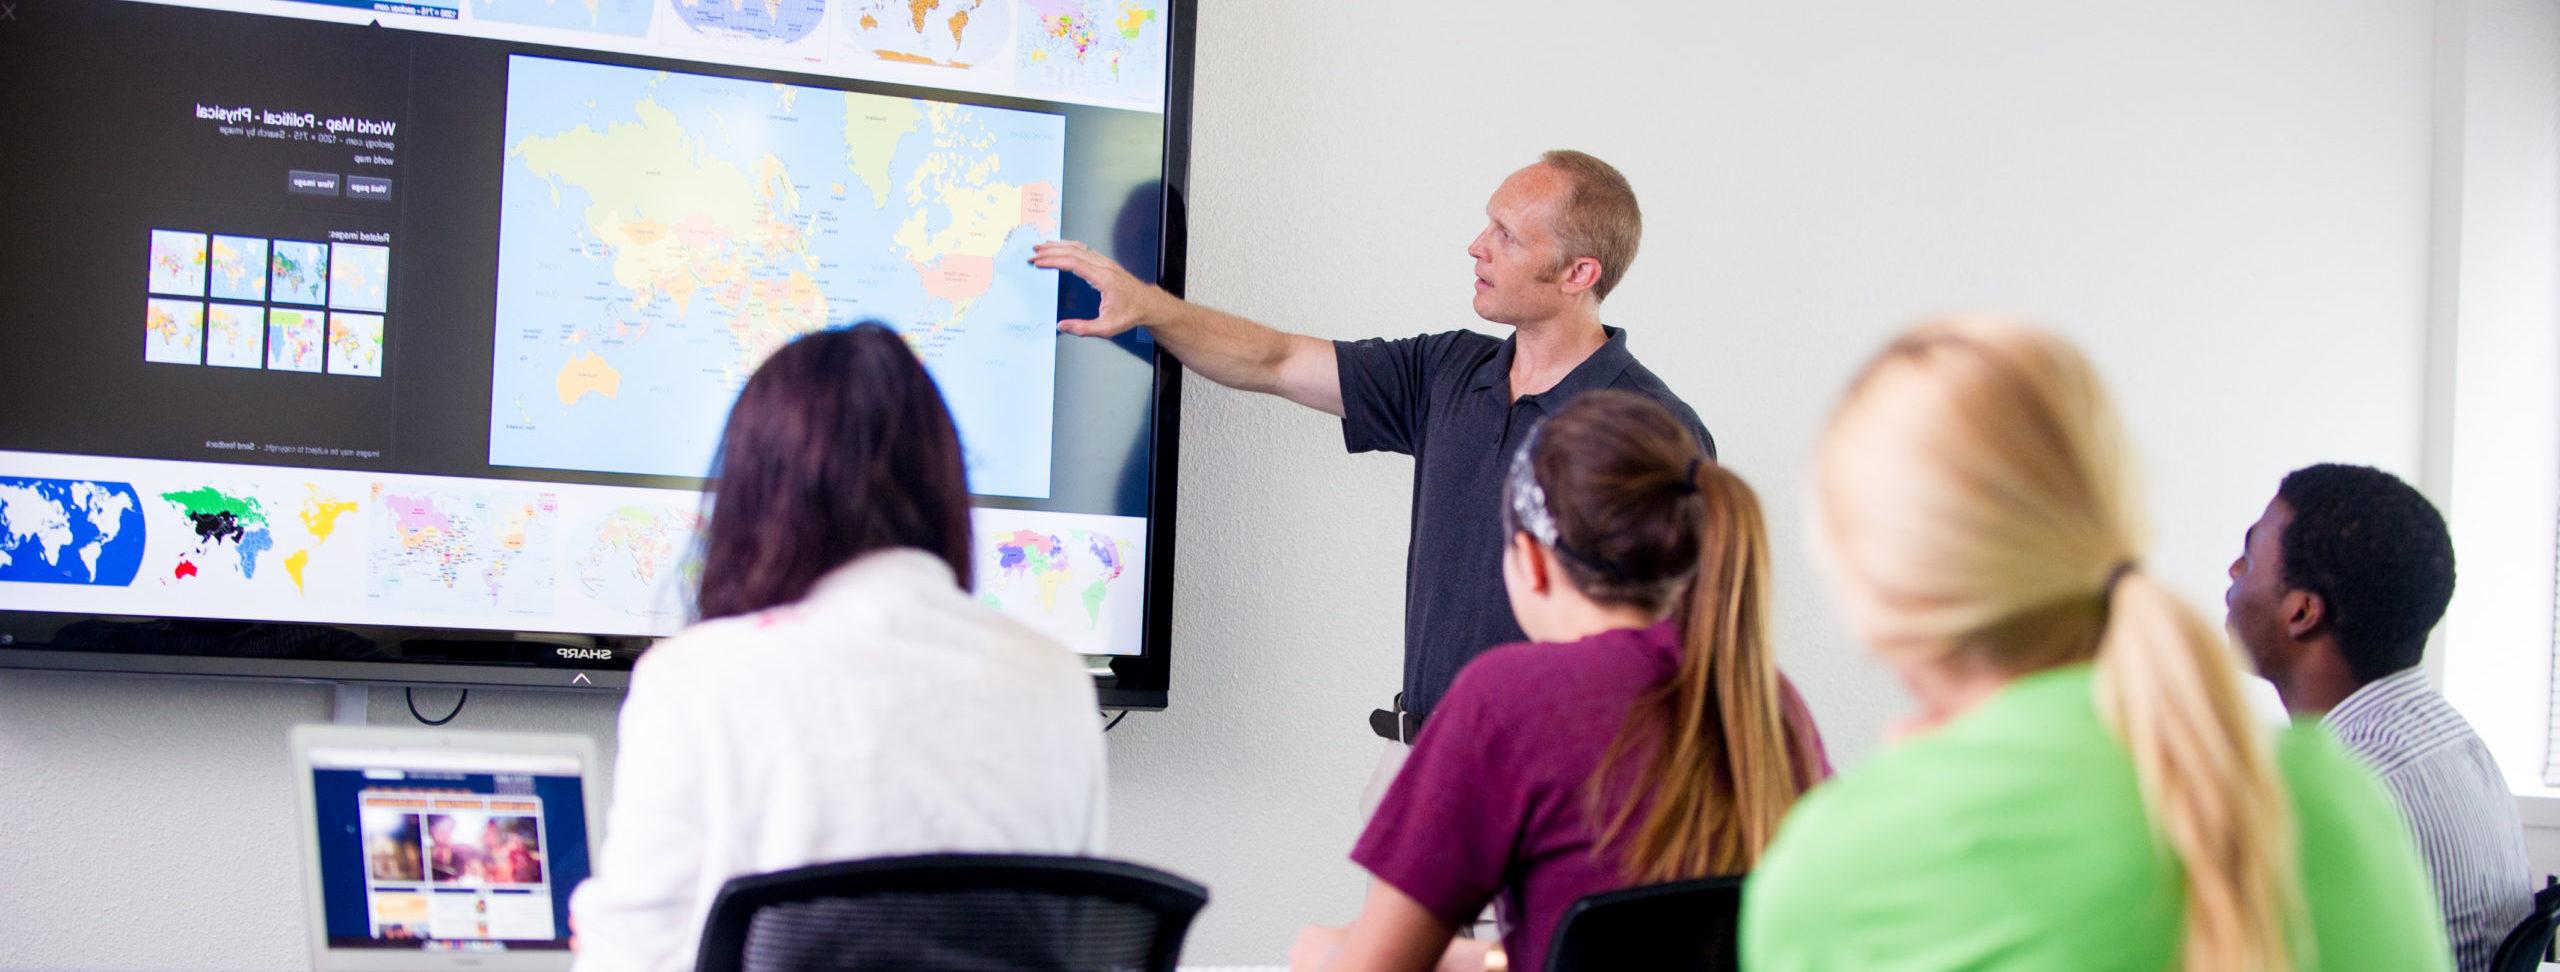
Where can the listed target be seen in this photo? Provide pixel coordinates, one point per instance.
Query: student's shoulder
(2366, 883)
(1502, 680)
(1520, 668)
(2333, 793)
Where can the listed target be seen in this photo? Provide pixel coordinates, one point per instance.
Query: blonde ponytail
(2167, 685)
(1975, 497)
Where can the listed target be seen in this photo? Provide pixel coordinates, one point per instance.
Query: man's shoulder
(1460, 340)
(2402, 725)
(1642, 381)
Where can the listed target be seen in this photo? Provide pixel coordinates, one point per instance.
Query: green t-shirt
(2015, 838)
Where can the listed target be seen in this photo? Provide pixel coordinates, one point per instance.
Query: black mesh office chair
(2524, 948)
(952, 911)
(1685, 925)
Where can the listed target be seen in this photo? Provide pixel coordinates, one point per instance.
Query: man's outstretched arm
(1228, 349)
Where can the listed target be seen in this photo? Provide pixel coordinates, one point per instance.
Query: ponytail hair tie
(2117, 576)
(1689, 476)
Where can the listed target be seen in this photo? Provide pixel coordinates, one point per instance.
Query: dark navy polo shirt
(1445, 400)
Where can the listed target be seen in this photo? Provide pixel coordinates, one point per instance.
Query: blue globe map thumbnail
(62, 531)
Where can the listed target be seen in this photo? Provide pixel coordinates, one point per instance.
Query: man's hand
(1127, 302)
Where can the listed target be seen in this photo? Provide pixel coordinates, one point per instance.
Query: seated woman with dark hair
(843, 696)
(1644, 736)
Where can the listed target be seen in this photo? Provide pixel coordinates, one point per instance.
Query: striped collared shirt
(2456, 802)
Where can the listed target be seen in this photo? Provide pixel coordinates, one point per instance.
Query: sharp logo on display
(586, 654)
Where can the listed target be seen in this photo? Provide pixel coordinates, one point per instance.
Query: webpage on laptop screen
(440, 854)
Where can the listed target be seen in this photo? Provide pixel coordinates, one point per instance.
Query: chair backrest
(1688, 925)
(2524, 947)
(952, 911)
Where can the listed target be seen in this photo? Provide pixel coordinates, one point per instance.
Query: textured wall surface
(2227, 203)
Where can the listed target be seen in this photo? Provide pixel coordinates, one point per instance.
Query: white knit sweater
(887, 713)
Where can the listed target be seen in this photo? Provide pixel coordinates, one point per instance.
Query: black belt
(1396, 724)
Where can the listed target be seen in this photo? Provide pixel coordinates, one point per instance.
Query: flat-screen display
(393, 341)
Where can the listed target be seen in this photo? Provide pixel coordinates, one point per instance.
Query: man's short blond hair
(1598, 217)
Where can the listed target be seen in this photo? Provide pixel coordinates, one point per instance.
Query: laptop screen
(448, 849)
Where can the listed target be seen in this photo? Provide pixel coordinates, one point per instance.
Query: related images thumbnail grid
(247, 277)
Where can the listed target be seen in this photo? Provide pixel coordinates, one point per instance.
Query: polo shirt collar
(1596, 372)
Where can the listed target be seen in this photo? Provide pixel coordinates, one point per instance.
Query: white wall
(2504, 295)
(2228, 203)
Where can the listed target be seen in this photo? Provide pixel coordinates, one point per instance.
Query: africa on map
(663, 232)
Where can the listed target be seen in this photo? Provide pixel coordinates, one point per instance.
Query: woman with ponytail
(1644, 736)
(2083, 785)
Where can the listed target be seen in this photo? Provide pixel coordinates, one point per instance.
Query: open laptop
(431, 849)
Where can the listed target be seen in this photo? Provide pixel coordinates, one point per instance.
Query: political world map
(664, 232)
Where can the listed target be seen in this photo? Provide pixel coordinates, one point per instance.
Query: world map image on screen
(239, 268)
(1074, 577)
(664, 232)
(775, 21)
(639, 560)
(1111, 49)
(58, 531)
(622, 18)
(454, 551)
(962, 34)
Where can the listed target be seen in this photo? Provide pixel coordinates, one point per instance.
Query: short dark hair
(839, 446)
(2378, 555)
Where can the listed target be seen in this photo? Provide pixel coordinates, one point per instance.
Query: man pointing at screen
(1560, 234)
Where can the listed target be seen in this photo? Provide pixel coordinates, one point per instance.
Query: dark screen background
(99, 100)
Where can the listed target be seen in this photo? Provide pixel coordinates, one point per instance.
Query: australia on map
(664, 232)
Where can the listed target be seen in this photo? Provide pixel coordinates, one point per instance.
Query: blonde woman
(2083, 786)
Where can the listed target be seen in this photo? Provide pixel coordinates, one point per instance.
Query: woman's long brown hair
(1704, 767)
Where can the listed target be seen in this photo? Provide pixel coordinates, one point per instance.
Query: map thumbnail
(55, 531)
(174, 332)
(358, 276)
(468, 552)
(236, 335)
(300, 272)
(239, 268)
(177, 263)
(620, 18)
(293, 339)
(355, 344)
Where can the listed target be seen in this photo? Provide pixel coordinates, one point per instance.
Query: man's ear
(2305, 613)
(1581, 275)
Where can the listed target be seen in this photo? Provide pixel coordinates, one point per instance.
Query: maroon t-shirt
(1491, 801)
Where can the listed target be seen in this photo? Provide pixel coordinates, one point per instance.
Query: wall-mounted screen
(392, 341)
